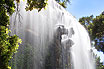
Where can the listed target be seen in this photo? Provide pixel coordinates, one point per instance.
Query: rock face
(59, 52)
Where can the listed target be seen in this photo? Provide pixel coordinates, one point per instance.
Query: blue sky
(80, 8)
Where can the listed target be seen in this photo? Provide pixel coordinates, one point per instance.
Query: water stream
(52, 39)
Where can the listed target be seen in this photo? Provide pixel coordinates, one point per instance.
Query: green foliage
(98, 29)
(24, 57)
(39, 4)
(8, 44)
(63, 2)
(6, 7)
(95, 27)
(36, 4)
(87, 23)
(99, 65)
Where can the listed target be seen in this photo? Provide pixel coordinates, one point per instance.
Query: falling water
(81, 50)
(43, 47)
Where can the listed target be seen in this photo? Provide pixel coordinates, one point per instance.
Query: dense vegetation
(8, 44)
(99, 65)
(95, 27)
(39, 4)
(63, 2)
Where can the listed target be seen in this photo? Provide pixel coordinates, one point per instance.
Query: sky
(80, 8)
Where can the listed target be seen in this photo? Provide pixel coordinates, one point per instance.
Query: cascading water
(43, 47)
(81, 51)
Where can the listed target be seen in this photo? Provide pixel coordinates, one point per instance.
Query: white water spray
(37, 31)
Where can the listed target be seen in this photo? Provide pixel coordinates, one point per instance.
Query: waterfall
(43, 47)
(81, 51)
